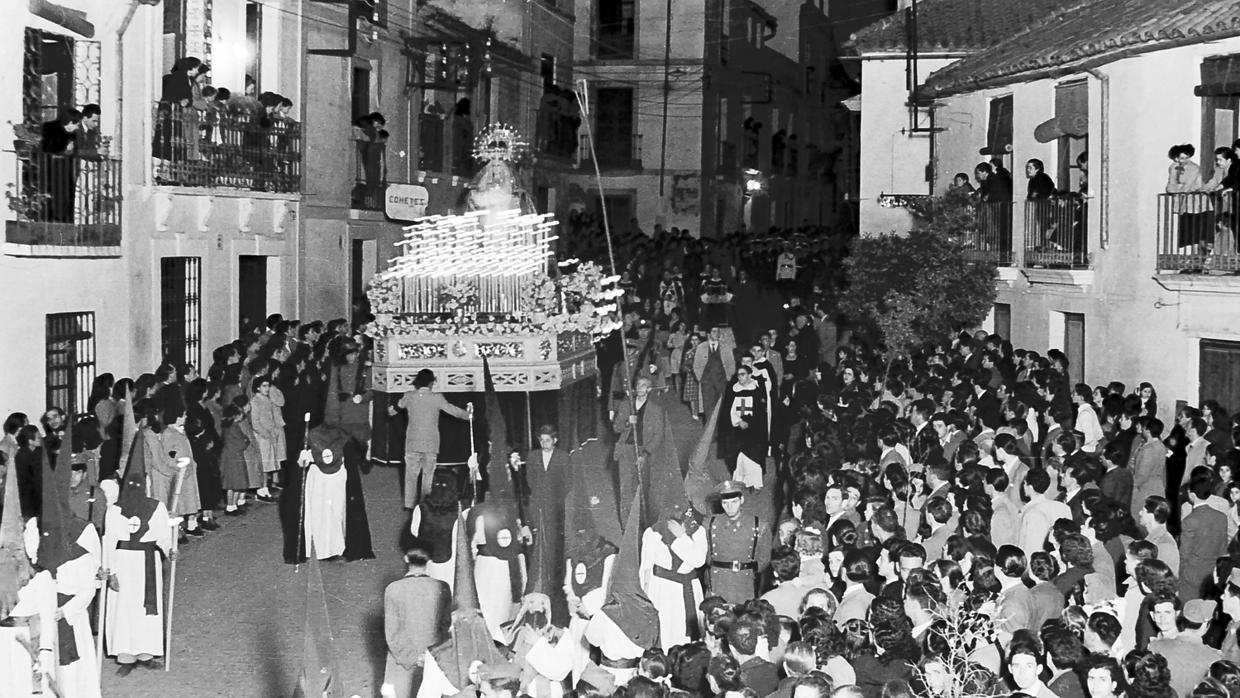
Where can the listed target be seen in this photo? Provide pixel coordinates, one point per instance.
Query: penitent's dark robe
(357, 544)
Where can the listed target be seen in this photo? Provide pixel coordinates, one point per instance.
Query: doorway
(363, 263)
(1219, 373)
(251, 292)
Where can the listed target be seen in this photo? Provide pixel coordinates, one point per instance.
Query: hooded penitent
(58, 529)
(327, 447)
(470, 640)
(15, 569)
(137, 508)
(627, 605)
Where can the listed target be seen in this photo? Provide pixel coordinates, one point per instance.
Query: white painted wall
(892, 160)
(1136, 328)
(157, 222)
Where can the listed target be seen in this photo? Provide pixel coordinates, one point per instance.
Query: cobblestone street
(239, 610)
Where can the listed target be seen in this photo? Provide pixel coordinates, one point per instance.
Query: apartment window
(360, 90)
(58, 72)
(70, 348)
(615, 28)
(546, 68)
(1069, 129)
(180, 311)
(1219, 372)
(999, 128)
(1220, 106)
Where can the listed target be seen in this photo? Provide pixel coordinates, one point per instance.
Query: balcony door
(613, 131)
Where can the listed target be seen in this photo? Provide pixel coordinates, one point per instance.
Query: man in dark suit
(986, 407)
(925, 444)
(757, 673)
(415, 617)
(1116, 480)
(1203, 539)
(549, 473)
(640, 425)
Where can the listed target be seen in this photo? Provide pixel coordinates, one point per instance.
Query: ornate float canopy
(485, 283)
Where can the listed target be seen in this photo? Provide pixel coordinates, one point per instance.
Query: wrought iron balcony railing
(370, 181)
(1197, 232)
(1057, 233)
(65, 201)
(624, 152)
(240, 148)
(992, 241)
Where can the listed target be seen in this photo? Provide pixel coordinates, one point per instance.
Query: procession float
(485, 283)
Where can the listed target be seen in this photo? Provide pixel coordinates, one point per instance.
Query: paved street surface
(238, 625)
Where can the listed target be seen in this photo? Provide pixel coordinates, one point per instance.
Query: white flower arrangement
(385, 295)
(458, 296)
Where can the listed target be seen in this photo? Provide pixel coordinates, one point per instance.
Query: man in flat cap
(739, 547)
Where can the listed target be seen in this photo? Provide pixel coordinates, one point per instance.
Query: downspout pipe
(1104, 173)
(120, 69)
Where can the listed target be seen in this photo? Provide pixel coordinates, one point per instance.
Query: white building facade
(1133, 283)
(145, 243)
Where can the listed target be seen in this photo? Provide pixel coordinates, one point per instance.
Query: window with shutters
(1220, 107)
(70, 350)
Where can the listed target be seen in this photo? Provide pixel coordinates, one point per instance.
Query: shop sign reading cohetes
(405, 202)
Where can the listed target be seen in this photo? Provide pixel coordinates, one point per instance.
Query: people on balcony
(962, 183)
(371, 139)
(207, 135)
(57, 179)
(558, 120)
(1192, 210)
(1041, 186)
(1224, 184)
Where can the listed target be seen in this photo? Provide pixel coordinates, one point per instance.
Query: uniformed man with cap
(739, 545)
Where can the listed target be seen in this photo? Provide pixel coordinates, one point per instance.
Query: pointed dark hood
(15, 569)
(499, 480)
(627, 605)
(134, 500)
(58, 529)
(470, 638)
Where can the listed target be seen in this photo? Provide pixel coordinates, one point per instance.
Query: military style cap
(729, 489)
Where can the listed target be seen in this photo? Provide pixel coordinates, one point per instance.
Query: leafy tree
(910, 290)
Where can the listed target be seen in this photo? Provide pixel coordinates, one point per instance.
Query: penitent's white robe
(668, 595)
(78, 579)
(325, 511)
(36, 603)
(128, 629)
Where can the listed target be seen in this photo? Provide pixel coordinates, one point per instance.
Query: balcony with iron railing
(64, 205)
(226, 148)
(992, 239)
(614, 153)
(1056, 233)
(1197, 232)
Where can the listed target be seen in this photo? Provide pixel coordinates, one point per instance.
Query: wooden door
(1074, 345)
(1219, 373)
